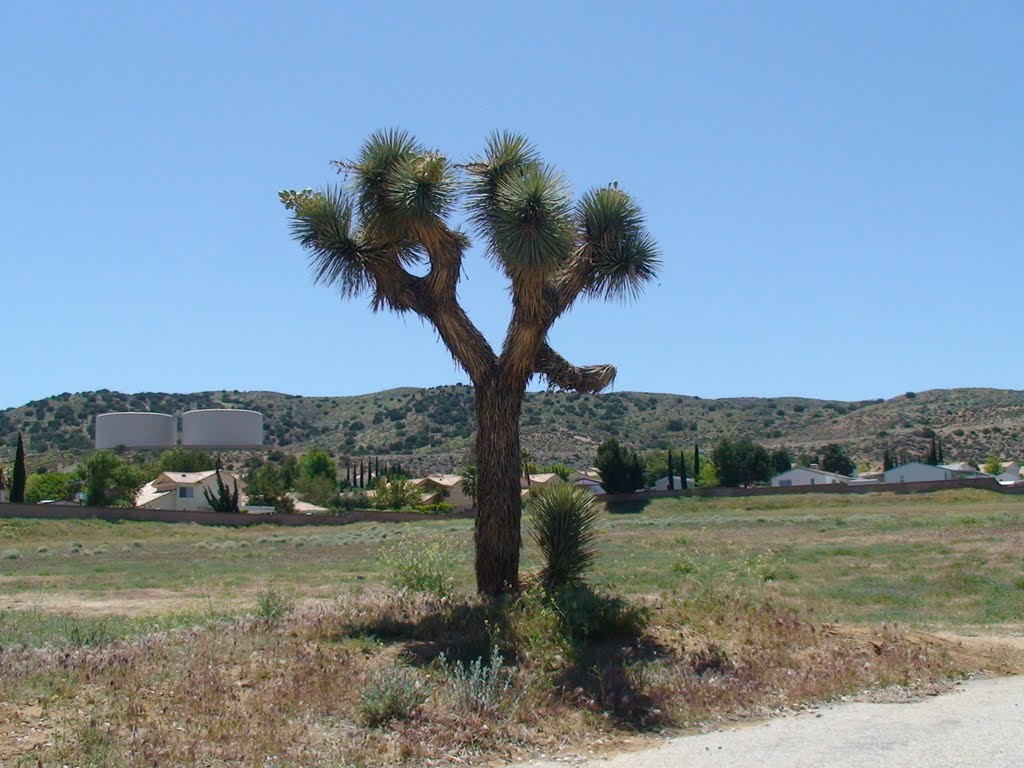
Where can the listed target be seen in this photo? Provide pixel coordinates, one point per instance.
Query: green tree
(741, 463)
(54, 486)
(655, 467)
(708, 475)
(993, 465)
(558, 468)
(185, 460)
(696, 461)
(226, 500)
(551, 250)
(397, 494)
(317, 464)
(835, 459)
(18, 480)
(622, 470)
(316, 489)
(265, 488)
(781, 460)
(468, 475)
(806, 459)
(109, 481)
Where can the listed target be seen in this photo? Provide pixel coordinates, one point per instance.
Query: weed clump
(392, 694)
(10, 554)
(479, 687)
(426, 569)
(272, 605)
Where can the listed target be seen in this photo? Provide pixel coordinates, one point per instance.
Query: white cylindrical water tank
(222, 428)
(136, 430)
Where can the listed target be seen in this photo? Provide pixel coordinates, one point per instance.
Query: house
(446, 489)
(661, 484)
(919, 472)
(808, 476)
(591, 473)
(184, 491)
(542, 478)
(591, 485)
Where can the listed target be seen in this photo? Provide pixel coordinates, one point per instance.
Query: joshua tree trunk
(497, 535)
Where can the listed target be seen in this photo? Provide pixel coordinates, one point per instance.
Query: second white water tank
(222, 428)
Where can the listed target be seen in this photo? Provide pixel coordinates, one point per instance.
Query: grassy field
(183, 634)
(932, 560)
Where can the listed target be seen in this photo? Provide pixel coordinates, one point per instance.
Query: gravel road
(978, 724)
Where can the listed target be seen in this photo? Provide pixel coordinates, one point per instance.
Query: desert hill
(432, 429)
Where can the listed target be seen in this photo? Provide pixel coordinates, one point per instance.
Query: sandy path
(979, 723)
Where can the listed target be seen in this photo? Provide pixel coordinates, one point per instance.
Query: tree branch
(561, 374)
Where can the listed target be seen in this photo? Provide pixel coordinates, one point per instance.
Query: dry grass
(289, 690)
(728, 609)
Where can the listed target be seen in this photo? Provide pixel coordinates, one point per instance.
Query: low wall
(984, 483)
(116, 514)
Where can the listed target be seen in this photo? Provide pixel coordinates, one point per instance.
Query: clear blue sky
(838, 188)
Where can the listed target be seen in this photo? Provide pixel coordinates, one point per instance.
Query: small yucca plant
(563, 523)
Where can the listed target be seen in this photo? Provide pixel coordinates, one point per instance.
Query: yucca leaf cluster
(563, 524)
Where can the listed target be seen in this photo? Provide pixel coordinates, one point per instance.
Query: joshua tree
(552, 250)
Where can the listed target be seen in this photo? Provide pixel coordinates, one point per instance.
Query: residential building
(446, 489)
(808, 476)
(589, 484)
(542, 478)
(661, 484)
(184, 491)
(919, 472)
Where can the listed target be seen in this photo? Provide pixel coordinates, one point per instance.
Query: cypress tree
(682, 470)
(18, 480)
(696, 461)
(671, 476)
(361, 476)
(942, 459)
(933, 453)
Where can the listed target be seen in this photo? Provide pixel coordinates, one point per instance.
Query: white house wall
(918, 473)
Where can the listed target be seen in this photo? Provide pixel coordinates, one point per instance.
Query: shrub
(563, 523)
(10, 554)
(392, 694)
(272, 605)
(397, 494)
(427, 568)
(479, 687)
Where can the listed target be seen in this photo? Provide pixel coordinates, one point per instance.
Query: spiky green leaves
(521, 207)
(563, 523)
(322, 223)
(532, 221)
(402, 189)
(619, 252)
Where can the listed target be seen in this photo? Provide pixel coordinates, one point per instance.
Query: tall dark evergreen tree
(886, 459)
(933, 453)
(682, 470)
(696, 461)
(671, 475)
(19, 477)
(942, 459)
